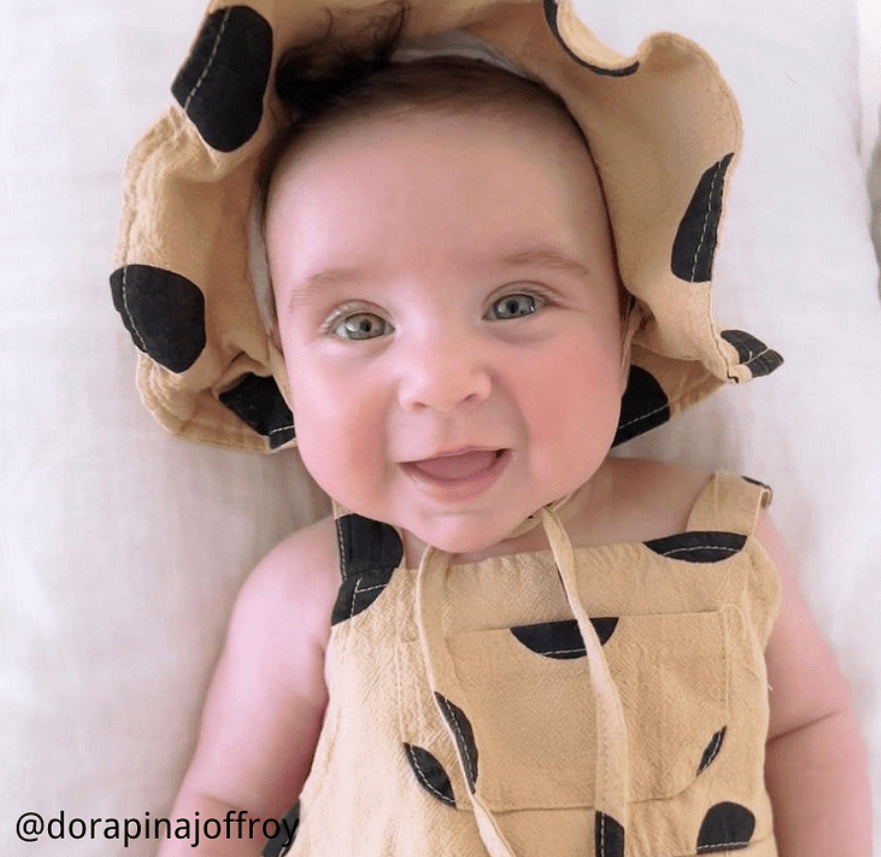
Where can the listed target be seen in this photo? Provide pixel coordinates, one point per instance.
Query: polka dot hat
(663, 128)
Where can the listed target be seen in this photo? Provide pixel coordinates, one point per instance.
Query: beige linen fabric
(403, 761)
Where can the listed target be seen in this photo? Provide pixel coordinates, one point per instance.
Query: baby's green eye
(362, 325)
(512, 306)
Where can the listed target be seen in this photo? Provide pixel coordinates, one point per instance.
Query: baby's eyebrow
(313, 285)
(548, 257)
(542, 256)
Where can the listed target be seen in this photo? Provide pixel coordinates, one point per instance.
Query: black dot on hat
(712, 749)
(726, 827)
(550, 7)
(562, 640)
(698, 546)
(461, 727)
(430, 774)
(222, 82)
(370, 551)
(753, 353)
(608, 836)
(695, 243)
(258, 402)
(164, 313)
(644, 405)
(280, 844)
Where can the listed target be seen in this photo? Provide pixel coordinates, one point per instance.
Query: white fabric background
(122, 548)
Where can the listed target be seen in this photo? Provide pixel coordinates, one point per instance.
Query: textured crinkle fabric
(682, 623)
(663, 128)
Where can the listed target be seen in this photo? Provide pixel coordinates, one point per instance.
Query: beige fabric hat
(663, 128)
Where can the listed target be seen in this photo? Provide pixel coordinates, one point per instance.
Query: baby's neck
(585, 506)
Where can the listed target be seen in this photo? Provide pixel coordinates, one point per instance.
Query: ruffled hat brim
(664, 132)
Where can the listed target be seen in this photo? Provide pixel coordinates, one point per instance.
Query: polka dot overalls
(609, 700)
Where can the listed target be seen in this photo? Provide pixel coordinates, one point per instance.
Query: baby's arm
(815, 768)
(266, 702)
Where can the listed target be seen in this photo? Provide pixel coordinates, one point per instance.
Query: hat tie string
(610, 792)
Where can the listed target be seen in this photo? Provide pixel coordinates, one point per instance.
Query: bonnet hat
(663, 129)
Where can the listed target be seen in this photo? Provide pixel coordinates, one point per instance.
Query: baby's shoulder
(654, 484)
(648, 499)
(296, 582)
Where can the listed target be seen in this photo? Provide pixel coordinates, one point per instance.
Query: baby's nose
(441, 375)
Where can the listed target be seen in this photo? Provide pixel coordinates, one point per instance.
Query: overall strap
(729, 503)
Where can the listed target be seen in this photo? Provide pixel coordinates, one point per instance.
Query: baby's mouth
(456, 466)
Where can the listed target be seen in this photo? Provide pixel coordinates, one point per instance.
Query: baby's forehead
(368, 137)
(450, 85)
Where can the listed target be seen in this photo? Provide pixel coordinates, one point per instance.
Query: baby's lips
(452, 468)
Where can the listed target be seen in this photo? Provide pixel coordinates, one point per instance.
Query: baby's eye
(361, 325)
(513, 306)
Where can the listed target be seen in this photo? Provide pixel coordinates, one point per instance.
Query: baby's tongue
(461, 466)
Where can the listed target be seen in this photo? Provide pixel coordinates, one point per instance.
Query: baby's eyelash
(542, 297)
(348, 308)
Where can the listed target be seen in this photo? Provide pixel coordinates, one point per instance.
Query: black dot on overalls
(712, 749)
(222, 82)
(370, 551)
(608, 836)
(461, 727)
(562, 640)
(726, 827)
(164, 313)
(698, 546)
(430, 774)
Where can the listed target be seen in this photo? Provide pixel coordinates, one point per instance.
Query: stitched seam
(581, 650)
(423, 778)
(603, 835)
(282, 428)
(718, 845)
(644, 416)
(700, 548)
(753, 357)
(461, 738)
(128, 313)
(342, 549)
(354, 593)
(359, 589)
(749, 354)
(197, 85)
(706, 220)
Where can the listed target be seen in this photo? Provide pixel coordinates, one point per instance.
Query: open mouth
(457, 467)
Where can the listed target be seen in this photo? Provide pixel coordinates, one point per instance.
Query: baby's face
(449, 316)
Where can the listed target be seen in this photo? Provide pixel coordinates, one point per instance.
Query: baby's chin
(469, 540)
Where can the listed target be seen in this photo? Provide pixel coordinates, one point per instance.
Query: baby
(504, 641)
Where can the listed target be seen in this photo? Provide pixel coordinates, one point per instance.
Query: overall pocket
(528, 703)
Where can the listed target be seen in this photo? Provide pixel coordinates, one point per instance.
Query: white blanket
(122, 548)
